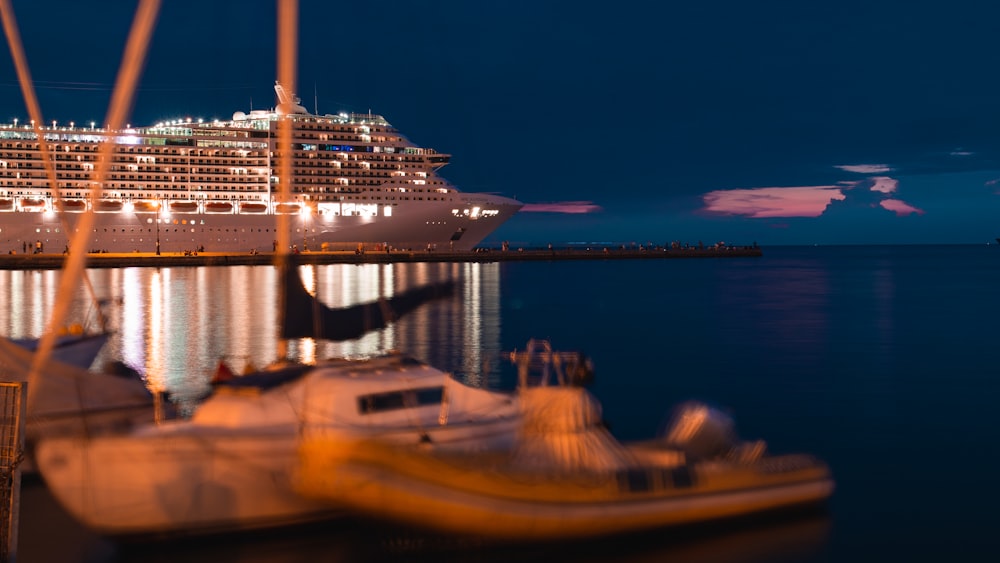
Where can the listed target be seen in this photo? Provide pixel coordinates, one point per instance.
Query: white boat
(229, 467)
(358, 180)
(69, 400)
(565, 478)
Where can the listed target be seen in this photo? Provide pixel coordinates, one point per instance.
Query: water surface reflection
(732, 331)
(175, 324)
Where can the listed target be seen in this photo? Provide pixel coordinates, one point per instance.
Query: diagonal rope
(121, 102)
(35, 113)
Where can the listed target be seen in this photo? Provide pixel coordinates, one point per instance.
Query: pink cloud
(884, 184)
(808, 201)
(801, 201)
(562, 207)
(901, 208)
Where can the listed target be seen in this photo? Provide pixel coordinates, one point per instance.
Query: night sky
(771, 122)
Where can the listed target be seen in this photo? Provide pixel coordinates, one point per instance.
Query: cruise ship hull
(419, 226)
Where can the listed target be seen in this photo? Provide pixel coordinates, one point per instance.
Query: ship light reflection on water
(35, 290)
(154, 335)
(174, 324)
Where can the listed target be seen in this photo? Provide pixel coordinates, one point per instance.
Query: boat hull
(480, 496)
(176, 482)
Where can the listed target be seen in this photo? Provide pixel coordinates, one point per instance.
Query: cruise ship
(190, 185)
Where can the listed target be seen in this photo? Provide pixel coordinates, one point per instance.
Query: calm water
(881, 360)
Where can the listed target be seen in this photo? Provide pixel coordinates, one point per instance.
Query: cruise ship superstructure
(189, 185)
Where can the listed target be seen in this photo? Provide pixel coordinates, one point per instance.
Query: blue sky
(775, 122)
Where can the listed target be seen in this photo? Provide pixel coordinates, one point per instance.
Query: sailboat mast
(288, 14)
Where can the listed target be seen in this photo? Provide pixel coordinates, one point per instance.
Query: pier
(178, 259)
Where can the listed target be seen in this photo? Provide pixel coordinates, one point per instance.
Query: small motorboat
(229, 467)
(566, 477)
(6, 204)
